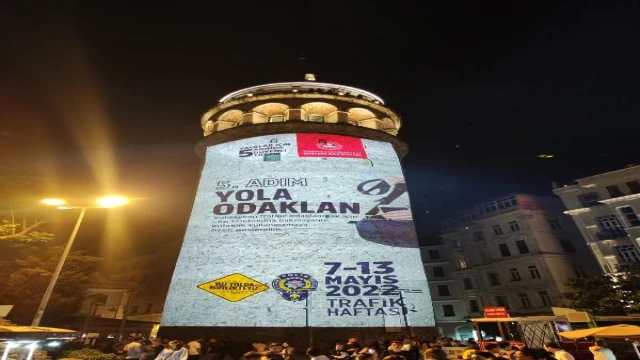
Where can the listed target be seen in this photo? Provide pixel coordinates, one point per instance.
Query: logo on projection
(234, 287)
(295, 286)
(387, 223)
(326, 145)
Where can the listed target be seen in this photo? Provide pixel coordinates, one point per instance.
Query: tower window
(276, 118)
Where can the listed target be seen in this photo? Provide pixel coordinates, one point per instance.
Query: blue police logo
(294, 286)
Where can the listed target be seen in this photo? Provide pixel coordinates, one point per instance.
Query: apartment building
(516, 251)
(605, 207)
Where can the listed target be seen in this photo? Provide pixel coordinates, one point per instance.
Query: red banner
(327, 145)
(496, 312)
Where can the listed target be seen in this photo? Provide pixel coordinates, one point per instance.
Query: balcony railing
(611, 234)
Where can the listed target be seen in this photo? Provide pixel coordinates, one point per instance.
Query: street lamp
(103, 202)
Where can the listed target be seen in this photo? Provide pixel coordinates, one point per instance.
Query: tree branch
(24, 231)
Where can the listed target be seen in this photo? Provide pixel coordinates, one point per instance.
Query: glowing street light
(103, 202)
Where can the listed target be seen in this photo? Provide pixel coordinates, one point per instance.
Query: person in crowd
(338, 353)
(439, 353)
(134, 349)
(252, 355)
(352, 346)
(600, 351)
(180, 352)
(557, 351)
(364, 356)
(472, 348)
(195, 349)
(316, 354)
(373, 348)
(165, 353)
(288, 351)
(157, 346)
(275, 351)
(396, 349)
(214, 349)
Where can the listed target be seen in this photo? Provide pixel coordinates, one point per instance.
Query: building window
(474, 307)
(497, 230)
(494, 279)
(467, 284)
(627, 253)
(588, 200)
(443, 290)
(504, 250)
(630, 214)
(448, 311)
(501, 300)
(578, 271)
(555, 225)
(478, 236)
(315, 118)
(515, 275)
(134, 310)
(514, 226)
(544, 297)
(276, 118)
(462, 262)
(634, 187)
(567, 245)
(492, 206)
(614, 191)
(522, 246)
(455, 243)
(524, 299)
(534, 272)
(484, 256)
(434, 254)
(609, 222)
(438, 271)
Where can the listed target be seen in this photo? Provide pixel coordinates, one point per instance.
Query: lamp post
(103, 202)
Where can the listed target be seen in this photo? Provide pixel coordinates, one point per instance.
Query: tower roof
(303, 87)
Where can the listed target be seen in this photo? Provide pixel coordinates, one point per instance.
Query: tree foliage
(614, 294)
(26, 276)
(20, 218)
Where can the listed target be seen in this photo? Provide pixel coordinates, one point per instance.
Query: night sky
(482, 88)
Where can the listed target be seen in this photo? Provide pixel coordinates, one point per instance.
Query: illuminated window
(514, 226)
(462, 262)
(276, 118)
(315, 118)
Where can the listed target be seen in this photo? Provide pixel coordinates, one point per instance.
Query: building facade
(517, 251)
(605, 207)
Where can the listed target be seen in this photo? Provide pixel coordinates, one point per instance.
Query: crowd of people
(401, 349)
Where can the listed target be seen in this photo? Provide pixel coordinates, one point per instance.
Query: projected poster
(295, 230)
